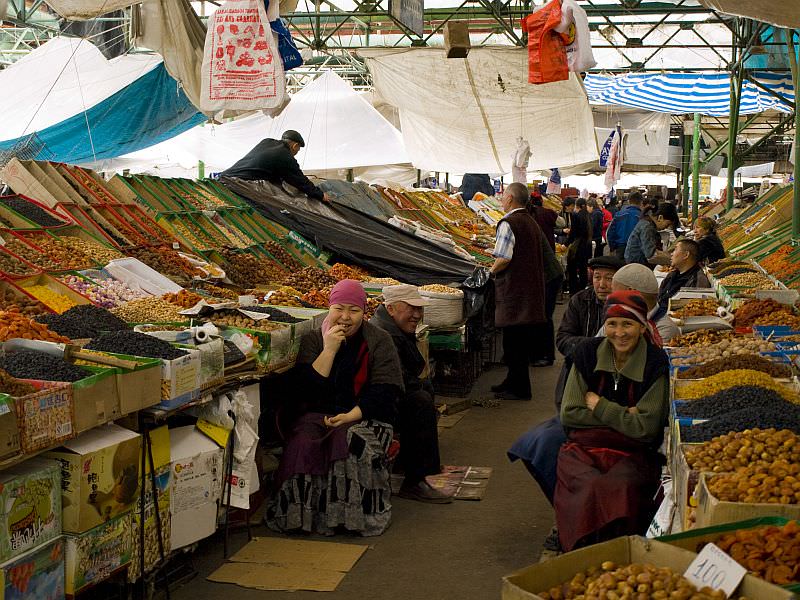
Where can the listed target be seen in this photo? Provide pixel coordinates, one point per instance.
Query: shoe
(542, 362)
(500, 387)
(552, 541)
(506, 395)
(423, 492)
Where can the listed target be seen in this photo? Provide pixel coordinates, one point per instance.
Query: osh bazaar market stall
(147, 312)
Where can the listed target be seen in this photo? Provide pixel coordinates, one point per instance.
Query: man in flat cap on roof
(273, 160)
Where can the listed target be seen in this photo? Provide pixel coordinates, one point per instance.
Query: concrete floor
(432, 552)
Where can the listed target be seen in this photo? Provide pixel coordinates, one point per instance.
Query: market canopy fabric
(785, 13)
(82, 107)
(684, 93)
(465, 115)
(341, 130)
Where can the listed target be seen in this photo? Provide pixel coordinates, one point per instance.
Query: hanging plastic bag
(574, 30)
(240, 66)
(519, 162)
(547, 56)
(290, 55)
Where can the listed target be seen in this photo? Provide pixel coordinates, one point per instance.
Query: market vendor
(642, 279)
(644, 242)
(614, 410)
(687, 272)
(273, 160)
(705, 234)
(399, 316)
(347, 382)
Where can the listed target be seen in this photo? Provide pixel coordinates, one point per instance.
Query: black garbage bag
(476, 287)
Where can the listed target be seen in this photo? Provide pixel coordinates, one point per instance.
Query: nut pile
(184, 298)
(149, 310)
(283, 256)
(246, 269)
(699, 307)
(285, 296)
(747, 313)
(58, 302)
(740, 449)
(30, 364)
(32, 255)
(92, 250)
(633, 581)
(233, 318)
(65, 254)
(165, 260)
(727, 379)
(135, 344)
(779, 319)
(720, 265)
(15, 325)
(107, 293)
(342, 271)
(32, 212)
(771, 553)
(10, 301)
(383, 281)
(440, 289)
(13, 266)
(754, 362)
(308, 279)
(726, 348)
(748, 280)
(11, 386)
(775, 483)
(84, 321)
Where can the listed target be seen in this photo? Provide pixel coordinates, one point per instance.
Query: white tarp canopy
(341, 130)
(785, 13)
(60, 79)
(646, 133)
(465, 115)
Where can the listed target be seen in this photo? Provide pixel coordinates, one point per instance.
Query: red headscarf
(630, 304)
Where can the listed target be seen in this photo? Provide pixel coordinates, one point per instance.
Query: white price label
(715, 569)
(176, 246)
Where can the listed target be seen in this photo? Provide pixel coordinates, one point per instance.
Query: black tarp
(356, 237)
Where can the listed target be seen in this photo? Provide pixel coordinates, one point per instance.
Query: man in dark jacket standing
(416, 415)
(518, 271)
(621, 227)
(273, 161)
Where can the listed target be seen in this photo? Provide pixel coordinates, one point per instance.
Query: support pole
(733, 130)
(685, 159)
(696, 166)
(796, 188)
(201, 169)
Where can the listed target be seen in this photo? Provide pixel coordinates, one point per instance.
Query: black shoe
(506, 395)
(542, 362)
(552, 542)
(423, 492)
(500, 387)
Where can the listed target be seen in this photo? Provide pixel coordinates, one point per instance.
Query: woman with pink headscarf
(346, 384)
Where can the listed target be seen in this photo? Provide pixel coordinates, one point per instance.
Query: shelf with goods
(19, 212)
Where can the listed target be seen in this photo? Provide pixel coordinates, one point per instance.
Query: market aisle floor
(434, 552)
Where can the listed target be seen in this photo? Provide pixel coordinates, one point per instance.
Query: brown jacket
(519, 288)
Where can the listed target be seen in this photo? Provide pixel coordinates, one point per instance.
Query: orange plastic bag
(547, 54)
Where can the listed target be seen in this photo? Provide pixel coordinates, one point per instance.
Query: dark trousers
(516, 348)
(598, 247)
(419, 438)
(544, 443)
(577, 272)
(544, 346)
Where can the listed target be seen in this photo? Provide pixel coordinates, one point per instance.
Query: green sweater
(652, 407)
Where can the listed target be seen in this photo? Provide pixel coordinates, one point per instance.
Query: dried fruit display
(737, 450)
(775, 483)
(245, 269)
(233, 318)
(724, 263)
(18, 302)
(66, 254)
(285, 298)
(440, 289)
(93, 250)
(383, 281)
(771, 553)
(133, 343)
(757, 281)
(633, 581)
(32, 255)
(699, 354)
(106, 293)
(317, 298)
(184, 298)
(283, 256)
(32, 212)
(779, 319)
(85, 321)
(308, 279)
(726, 379)
(54, 300)
(753, 362)
(701, 337)
(30, 364)
(768, 411)
(747, 313)
(698, 307)
(219, 292)
(342, 271)
(165, 261)
(372, 306)
(13, 387)
(275, 315)
(16, 325)
(14, 266)
(149, 310)
(780, 264)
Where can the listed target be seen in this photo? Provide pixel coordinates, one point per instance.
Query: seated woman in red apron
(614, 411)
(345, 387)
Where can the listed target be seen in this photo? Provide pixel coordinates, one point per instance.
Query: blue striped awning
(683, 93)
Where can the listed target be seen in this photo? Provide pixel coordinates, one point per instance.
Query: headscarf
(348, 291)
(630, 304)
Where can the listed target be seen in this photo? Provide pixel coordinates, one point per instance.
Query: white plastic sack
(80, 10)
(662, 521)
(242, 69)
(519, 166)
(579, 52)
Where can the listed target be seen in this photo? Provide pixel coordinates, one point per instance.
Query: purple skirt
(312, 447)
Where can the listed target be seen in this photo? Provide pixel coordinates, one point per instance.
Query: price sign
(715, 569)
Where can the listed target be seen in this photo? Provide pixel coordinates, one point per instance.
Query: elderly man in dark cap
(273, 160)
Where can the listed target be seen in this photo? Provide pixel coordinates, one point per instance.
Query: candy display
(58, 302)
(84, 321)
(30, 364)
(107, 293)
(135, 344)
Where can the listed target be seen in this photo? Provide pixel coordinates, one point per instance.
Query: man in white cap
(399, 316)
(273, 160)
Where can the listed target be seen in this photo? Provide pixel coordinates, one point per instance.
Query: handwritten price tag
(715, 569)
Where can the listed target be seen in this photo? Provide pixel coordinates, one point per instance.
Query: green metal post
(696, 166)
(796, 79)
(733, 131)
(687, 153)
(201, 169)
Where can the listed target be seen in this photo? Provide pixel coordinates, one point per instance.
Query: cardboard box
(713, 511)
(456, 39)
(139, 387)
(180, 380)
(95, 555)
(96, 399)
(35, 575)
(9, 427)
(17, 175)
(527, 582)
(160, 440)
(212, 362)
(30, 506)
(100, 475)
(46, 417)
(197, 471)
